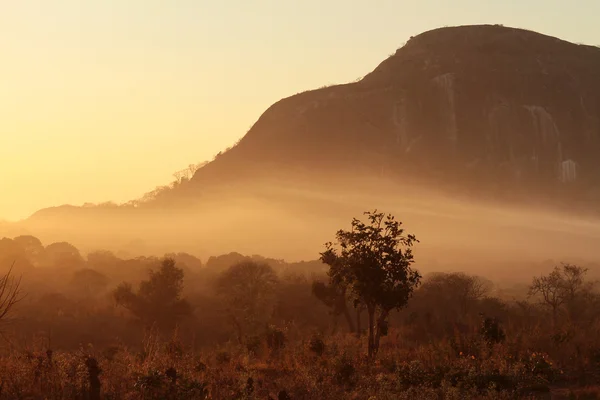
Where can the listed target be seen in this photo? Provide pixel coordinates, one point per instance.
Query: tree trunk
(348, 319)
(380, 325)
(371, 346)
(358, 327)
(335, 325)
(238, 328)
(342, 307)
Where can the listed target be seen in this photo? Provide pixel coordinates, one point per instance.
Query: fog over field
(293, 221)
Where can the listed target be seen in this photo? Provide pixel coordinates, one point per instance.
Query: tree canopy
(373, 260)
(158, 299)
(248, 289)
(562, 289)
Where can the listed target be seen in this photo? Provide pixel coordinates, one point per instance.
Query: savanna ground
(236, 327)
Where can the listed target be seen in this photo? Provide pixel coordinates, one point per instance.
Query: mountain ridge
(478, 109)
(472, 136)
(425, 102)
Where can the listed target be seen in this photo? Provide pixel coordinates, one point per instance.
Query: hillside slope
(467, 105)
(455, 117)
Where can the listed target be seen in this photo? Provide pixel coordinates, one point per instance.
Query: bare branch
(10, 292)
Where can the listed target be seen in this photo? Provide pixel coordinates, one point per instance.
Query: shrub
(223, 357)
(492, 331)
(317, 346)
(253, 344)
(275, 338)
(345, 373)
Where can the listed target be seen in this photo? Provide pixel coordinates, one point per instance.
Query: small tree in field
(248, 293)
(561, 288)
(373, 260)
(158, 299)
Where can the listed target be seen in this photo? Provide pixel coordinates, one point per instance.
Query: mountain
(446, 132)
(480, 107)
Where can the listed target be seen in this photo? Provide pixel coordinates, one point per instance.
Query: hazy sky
(104, 99)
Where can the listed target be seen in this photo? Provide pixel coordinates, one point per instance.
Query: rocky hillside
(486, 111)
(467, 106)
(482, 111)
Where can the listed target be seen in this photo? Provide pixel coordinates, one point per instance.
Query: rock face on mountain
(463, 105)
(481, 111)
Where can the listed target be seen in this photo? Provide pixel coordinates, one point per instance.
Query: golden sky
(104, 99)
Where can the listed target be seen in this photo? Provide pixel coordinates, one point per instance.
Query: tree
(456, 290)
(186, 174)
(89, 282)
(448, 301)
(63, 255)
(465, 289)
(564, 286)
(574, 281)
(373, 260)
(224, 261)
(33, 246)
(186, 260)
(13, 254)
(334, 297)
(158, 299)
(248, 292)
(10, 293)
(296, 305)
(103, 260)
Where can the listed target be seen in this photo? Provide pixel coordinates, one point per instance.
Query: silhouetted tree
(32, 246)
(248, 292)
(186, 260)
(373, 260)
(447, 299)
(224, 261)
(63, 255)
(578, 289)
(158, 299)
(296, 305)
(562, 287)
(334, 297)
(457, 287)
(13, 256)
(89, 282)
(102, 258)
(10, 293)
(186, 174)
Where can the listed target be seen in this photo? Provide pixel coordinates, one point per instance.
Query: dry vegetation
(235, 327)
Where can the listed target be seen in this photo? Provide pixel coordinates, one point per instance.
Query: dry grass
(166, 369)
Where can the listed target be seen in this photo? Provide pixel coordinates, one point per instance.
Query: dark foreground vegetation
(359, 323)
